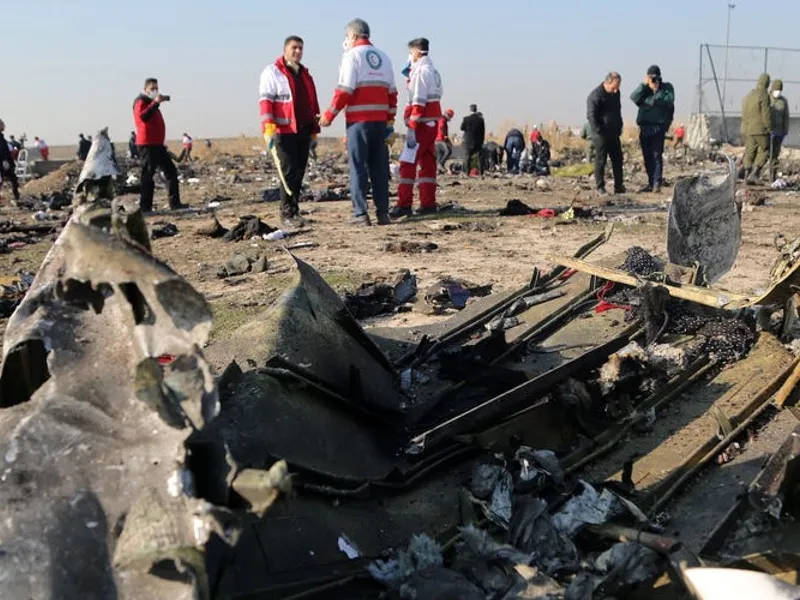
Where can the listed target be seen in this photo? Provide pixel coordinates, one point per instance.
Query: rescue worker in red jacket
(150, 137)
(367, 94)
(444, 147)
(289, 120)
(423, 113)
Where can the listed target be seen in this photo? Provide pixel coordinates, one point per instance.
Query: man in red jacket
(150, 138)
(444, 147)
(289, 121)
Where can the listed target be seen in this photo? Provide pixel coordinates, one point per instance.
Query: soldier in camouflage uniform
(756, 127)
(779, 125)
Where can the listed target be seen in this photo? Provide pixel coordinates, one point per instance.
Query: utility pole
(731, 6)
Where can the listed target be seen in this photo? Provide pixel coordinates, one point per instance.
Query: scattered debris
(451, 293)
(247, 228)
(212, 229)
(409, 247)
(12, 292)
(380, 298)
(162, 229)
(239, 264)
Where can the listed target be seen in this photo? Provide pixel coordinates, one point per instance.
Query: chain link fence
(727, 74)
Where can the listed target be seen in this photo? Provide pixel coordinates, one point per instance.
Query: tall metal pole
(731, 6)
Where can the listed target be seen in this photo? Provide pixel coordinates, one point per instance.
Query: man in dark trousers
(83, 147)
(150, 139)
(7, 166)
(604, 113)
(132, 149)
(656, 101)
(289, 114)
(514, 144)
(474, 129)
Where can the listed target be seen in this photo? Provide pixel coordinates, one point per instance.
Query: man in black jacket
(7, 166)
(604, 112)
(474, 130)
(84, 146)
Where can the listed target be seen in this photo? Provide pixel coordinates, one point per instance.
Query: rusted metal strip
(700, 295)
(661, 495)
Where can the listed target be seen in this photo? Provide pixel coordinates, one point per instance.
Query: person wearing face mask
(604, 117)
(367, 94)
(756, 128)
(150, 139)
(421, 116)
(779, 112)
(289, 112)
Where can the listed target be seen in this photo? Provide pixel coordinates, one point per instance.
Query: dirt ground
(483, 247)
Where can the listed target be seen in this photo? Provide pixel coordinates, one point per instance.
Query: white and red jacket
(366, 90)
(424, 94)
(277, 89)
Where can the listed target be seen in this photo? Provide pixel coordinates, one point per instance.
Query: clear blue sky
(76, 65)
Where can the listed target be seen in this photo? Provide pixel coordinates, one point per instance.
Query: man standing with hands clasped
(604, 116)
(367, 93)
(656, 101)
(289, 112)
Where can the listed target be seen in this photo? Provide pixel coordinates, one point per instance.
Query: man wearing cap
(779, 119)
(444, 147)
(474, 129)
(656, 101)
(367, 94)
(421, 116)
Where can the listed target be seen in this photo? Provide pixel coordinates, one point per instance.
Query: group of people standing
(367, 95)
(655, 99)
(765, 125)
(10, 150)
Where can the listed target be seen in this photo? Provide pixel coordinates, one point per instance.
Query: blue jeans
(514, 150)
(368, 156)
(651, 138)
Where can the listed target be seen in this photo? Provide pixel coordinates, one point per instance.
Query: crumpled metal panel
(80, 432)
(704, 223)
(309, 430)
(309, 328)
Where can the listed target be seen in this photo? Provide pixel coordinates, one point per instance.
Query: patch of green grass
(229, 318)
(579, 170)
(342, 280)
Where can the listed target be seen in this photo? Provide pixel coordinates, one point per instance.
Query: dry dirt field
(543, 378)
(472, 242)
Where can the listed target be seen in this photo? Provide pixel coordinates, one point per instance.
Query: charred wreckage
(532, 446)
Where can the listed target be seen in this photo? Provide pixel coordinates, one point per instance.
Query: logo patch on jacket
(374, 59)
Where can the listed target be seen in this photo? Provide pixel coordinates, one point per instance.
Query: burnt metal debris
(530, 447)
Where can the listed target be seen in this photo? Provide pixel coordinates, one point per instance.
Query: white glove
(6, 165)
(411, 138)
